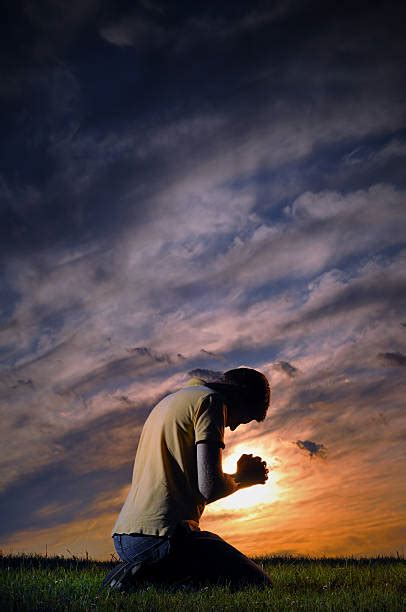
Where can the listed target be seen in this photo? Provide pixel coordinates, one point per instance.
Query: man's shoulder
(196, 391)
(178, 404)
(188, 397)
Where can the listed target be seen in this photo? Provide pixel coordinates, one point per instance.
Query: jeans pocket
(118, 547)
(148, 549)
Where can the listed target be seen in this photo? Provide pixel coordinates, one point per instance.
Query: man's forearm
(213, 483)
(226, 486)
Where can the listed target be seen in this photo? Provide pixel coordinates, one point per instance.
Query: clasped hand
(251, 470)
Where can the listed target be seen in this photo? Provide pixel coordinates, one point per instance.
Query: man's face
(236, 417)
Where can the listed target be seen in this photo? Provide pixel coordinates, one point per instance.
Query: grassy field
(38, 583)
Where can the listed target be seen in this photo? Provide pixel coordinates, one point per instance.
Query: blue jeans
(195, 555)
(141, 548)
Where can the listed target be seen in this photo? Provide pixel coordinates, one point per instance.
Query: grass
(32, 582)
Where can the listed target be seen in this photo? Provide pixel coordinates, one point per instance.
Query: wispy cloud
(159, 226)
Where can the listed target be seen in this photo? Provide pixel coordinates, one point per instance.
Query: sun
(253, 496)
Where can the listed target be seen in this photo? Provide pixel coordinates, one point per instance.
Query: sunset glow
(253, 496)
(195, 187)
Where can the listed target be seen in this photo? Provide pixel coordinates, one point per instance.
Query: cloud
(375, 287)
(207, 375)
(285, 367)
(314, 449)
(134, 30)
(211, 354)
(22, 381)
(155, 24)
(130, 240)
(393, 359)
(394, 148)
(90, 460)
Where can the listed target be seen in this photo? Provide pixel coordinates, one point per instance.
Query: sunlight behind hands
(252, 496)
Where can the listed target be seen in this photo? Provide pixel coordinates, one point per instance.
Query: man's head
(246, 393)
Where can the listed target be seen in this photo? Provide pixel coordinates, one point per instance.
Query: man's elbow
(208, 494)
(212, 491)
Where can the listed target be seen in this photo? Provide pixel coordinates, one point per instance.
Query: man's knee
(209, 557)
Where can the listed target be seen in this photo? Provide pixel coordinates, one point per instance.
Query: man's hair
(246, 387)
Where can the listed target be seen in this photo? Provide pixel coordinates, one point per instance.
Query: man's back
(164, 490)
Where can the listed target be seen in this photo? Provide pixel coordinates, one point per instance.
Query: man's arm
(213, 482)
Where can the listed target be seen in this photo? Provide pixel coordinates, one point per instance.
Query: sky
(204, 186)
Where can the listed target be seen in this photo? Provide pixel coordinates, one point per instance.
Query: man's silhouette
(177, 471)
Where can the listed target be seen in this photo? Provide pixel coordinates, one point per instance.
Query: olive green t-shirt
(164, 490)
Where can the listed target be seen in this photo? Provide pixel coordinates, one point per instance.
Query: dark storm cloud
(143, 28)
(21, 381)
(64, 193)
(393, 359)
(207, 375)
(211, 354)
(285, 367)
(313, 448)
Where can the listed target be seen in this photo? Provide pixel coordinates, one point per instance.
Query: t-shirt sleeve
(210, 420)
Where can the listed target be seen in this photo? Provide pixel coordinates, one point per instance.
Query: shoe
(120, 578)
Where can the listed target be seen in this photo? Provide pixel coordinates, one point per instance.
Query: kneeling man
(177, 471)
